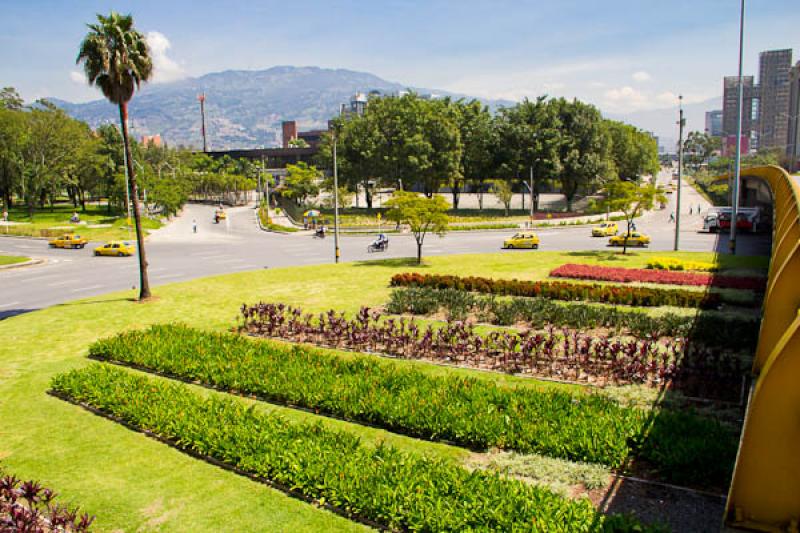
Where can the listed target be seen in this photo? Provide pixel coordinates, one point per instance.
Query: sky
(624, 56)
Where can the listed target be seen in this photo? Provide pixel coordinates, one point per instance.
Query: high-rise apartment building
(730, 110)
(773, 82)
(793, 138)
(714, 123)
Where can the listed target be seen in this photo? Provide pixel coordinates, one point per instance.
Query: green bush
(709, 329)
(560, 290)
(478, 414)
(392, 488)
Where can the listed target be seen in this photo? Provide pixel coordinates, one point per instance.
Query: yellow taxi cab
(606, 229)
(68, 240)
(634, 239)
(523, 239)
(115, 248)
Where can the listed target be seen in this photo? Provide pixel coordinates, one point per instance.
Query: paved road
(176, 253)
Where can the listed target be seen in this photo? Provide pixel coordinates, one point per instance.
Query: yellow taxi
(606, 229)
(634, 239)
(68, 240)
(115, 248)
(523, 239)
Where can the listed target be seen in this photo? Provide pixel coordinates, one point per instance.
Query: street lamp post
(737, 170)
(681, 124)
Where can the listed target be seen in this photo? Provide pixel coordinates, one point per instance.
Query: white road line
(89, 288)
(168, 276)
(8, 304)
(39, 278)
(60, 283)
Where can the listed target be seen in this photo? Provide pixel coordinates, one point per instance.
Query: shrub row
(26, 506)
(560, 290)
(380, 484)
(562, 355)
(669, 263)
(628, 275)
(708, 329)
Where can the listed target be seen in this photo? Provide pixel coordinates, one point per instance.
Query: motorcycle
(378, 246)
(319, 234)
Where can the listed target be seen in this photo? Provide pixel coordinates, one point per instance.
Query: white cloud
(164, 67)
(641, 76)
(77, 77)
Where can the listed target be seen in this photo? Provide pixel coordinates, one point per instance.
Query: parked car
(115, 248)
(68, 240)
(606, 229)
(634, 239)
(525, 239)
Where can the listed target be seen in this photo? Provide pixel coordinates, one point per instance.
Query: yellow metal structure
(765, 491)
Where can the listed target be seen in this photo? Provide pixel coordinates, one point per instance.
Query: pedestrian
(690, 210)
(5, 215)
(699, 207)
(194, 225)
(672, 217)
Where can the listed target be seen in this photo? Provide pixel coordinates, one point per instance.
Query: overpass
(765, 491)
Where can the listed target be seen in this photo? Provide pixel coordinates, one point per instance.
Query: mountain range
(245, 108)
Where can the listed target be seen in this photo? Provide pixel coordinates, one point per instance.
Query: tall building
(289, 132)
(730, 111)
(793, 138)
(773, 81)
(714, 123)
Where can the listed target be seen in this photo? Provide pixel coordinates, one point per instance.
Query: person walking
(672, 217)
(690, 209)
(5, 215)
(194, 225)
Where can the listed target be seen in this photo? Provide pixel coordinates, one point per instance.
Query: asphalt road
(176, 253)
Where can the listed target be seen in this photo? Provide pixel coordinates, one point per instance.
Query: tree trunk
(419, 253)
(144, 283)
(456, 192)
(368, 197)
(480, 199)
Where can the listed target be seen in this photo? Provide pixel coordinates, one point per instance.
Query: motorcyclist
(321, 231)
(381, 240)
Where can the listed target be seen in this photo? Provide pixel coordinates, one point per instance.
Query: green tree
(632, 199)
(116, 59)
(584, 148)
(698, 148)
(423, 215)
(529, 138)
(298, 143)
(633, 152)
(302, 181)
(13, 137)
(503, 191)
(476, 132)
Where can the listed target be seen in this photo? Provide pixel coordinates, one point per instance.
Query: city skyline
(621, 56)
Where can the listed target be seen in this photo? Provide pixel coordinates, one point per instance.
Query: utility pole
(681, 124)
(202, 99)
(737, 168)
(335, 202)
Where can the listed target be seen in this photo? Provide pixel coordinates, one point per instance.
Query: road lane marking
(89, 288)
(168, 276)
(60, 283)
(8, 304)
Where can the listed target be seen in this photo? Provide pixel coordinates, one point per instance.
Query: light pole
(737, 168)
(335, 202)
(681, 124)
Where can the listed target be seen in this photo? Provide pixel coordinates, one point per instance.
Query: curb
(262, 228)
(30, 262)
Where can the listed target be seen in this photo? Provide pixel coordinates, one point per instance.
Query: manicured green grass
(132, 482)
(12, 259)
(49, 222)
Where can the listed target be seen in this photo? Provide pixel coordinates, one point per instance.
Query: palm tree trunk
(144, 283)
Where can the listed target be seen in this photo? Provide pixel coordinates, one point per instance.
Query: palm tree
(116, 59)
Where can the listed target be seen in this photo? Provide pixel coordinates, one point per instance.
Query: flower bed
(705, 329)
(669, 263)
(379, 484)
(629, 275)
(473, 413)
(560, 290)
(570, 355)
(29, 507)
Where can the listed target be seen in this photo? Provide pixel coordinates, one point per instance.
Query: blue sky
(622, 55)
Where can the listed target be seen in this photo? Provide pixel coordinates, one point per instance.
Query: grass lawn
(12, 259)
(49, 222)
(131, 482)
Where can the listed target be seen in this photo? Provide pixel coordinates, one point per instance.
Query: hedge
(641, 275)
(560, 290)
(379, 484)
